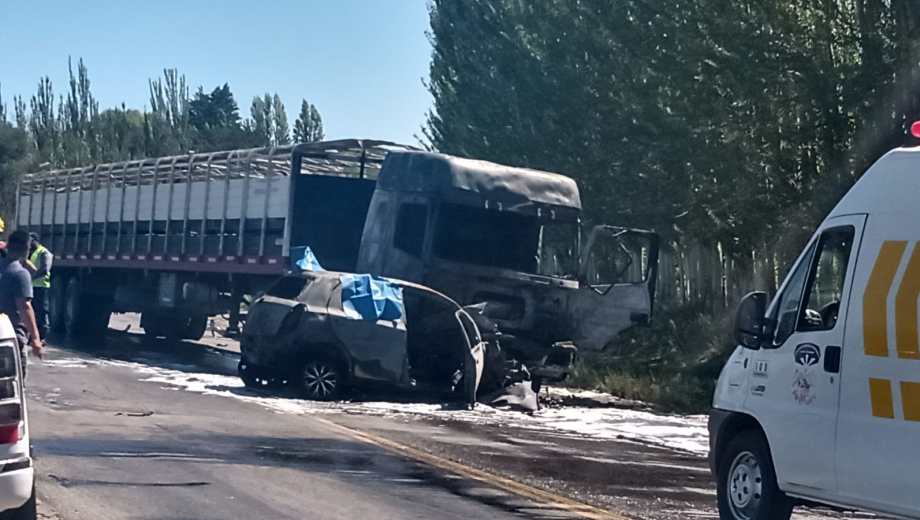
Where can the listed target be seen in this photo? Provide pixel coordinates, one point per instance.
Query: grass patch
(672, 363)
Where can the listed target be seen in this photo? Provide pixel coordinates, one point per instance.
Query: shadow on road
(369, 467)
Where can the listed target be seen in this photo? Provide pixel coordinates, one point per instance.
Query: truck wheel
(194, 327)
(56, 313)
(747, 488)
(322, 380)
(152, 325)
(97, 319)
(245, 373)
(27, 511)
(73, 314)
(84, 315)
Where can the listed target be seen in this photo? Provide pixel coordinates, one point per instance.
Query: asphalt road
(109, 443)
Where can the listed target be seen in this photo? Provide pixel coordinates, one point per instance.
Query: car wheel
(322, 380)
(26, 511)
(747, 488)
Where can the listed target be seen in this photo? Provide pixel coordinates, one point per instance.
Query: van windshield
(507, 240)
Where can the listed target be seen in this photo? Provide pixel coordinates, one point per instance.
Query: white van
(820, 403)
(17, 489)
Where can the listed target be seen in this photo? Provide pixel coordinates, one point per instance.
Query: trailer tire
(746, 486)
(56, 313)
(84, 315)
(194, 327)
(245, 372)
(152, 325)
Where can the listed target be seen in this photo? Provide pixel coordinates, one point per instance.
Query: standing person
(39, 266)
(16, 294)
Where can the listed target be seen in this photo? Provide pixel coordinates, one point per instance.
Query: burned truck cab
(510, 238)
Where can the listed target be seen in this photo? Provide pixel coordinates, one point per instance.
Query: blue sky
(361, 62)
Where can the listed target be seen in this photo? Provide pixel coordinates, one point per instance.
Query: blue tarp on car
(364, 296)
(307, 260)
(369, 297)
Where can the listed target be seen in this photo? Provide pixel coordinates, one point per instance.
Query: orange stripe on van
(905, 309)
(875, 298)
(880, 395)
(910, 400)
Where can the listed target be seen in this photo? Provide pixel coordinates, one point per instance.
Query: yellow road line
(538, 495)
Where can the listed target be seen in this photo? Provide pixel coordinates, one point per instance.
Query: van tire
(27, 511)
(747, 488)
(322, 379)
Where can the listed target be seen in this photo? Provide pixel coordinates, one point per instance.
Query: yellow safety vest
(44, 281)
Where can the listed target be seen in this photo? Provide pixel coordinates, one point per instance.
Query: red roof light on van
(915, 129)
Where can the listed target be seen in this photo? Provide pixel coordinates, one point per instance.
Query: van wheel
(26, 511)
(322, 380)
(747, 488)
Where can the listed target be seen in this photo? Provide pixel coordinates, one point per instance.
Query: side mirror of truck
(750, 320)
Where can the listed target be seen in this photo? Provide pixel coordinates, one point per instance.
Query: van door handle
(832, 359)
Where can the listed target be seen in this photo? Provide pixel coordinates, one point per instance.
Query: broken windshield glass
(507, 240)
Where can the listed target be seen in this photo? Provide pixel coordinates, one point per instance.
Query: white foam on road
(686, 433)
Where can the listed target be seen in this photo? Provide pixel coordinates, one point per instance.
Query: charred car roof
(470, 181)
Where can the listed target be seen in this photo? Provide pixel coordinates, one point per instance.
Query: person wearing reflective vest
(39, 265)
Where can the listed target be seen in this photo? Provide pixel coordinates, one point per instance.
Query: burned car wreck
(325, 332)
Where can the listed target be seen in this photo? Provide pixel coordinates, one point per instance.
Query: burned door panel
(377, 349)
(617, 276)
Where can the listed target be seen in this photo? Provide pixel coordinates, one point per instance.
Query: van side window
(787, 310)
(411, 225)
(825, 282)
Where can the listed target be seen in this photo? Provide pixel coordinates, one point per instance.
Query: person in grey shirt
(16, 293)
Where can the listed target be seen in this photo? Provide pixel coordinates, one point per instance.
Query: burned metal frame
(74, 237)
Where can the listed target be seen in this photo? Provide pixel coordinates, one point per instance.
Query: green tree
(281, 133)
(268, 125)
(167, 129)
(14, 153)
(120, 134)
(78, 135)
(308, 127)
(215, 118)
(701, 119)
(262, 121)
(43, 124)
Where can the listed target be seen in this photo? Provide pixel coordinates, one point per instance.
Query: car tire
(322, 380)
(27, 511)
(747, 488)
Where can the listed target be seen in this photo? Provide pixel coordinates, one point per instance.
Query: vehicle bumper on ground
(717, 418)
(16, 484)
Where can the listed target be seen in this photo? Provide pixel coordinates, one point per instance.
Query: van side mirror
(750, 320)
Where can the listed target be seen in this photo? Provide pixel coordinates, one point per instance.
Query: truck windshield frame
(507, 240)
